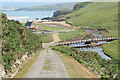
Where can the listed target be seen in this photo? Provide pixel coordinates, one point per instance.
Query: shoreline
(18, 17)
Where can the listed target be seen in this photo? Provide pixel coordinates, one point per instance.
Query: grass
(102, 14)
(74, 68)
(71, 67)
(111, 49)
(26, 66)
(0, 57)
(46, 38)
(113, 33)
(72, 34)
(52, 27)
(23, 23)
(98, 15)
(94, 62)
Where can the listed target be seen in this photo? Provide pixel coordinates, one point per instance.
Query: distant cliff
(52, 7)
(61, 12)
(58, 15)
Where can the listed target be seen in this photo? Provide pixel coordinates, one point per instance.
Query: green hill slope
(17, 40)
(96, 15)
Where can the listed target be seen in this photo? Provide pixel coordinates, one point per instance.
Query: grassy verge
(26, 66)
(72, 34)
(46, 38)
(23, 23)
(113, 33)
(74, 67)
(111, 49)
(94, 62)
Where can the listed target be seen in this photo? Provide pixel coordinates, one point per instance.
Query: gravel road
(48, 64)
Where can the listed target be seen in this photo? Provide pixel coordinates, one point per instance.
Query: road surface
(48, 64)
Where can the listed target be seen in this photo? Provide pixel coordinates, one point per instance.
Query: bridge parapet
(87, 40)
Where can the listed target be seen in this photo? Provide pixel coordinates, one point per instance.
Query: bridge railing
(86, 40)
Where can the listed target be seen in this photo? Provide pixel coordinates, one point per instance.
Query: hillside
(81, 5)
(51, 7)
(17, 41)
(98, 15)
(95, 15)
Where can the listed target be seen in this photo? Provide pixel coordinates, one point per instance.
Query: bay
(28, 15)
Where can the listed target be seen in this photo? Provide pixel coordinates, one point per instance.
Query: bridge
(86, 41)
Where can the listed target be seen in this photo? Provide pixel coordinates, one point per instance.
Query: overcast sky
(43, 0)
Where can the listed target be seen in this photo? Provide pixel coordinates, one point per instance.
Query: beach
(18, 17)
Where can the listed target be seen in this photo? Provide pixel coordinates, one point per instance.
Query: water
(28, 15)
(95, 49)
(77, 45)
(98, 50)
(83, 44)
(96, 33)
(31, 15)
(102, 42)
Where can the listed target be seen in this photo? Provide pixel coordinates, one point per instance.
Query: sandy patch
(18, 17)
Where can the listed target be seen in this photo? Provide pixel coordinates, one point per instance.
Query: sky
(43, 0)
(58, 0)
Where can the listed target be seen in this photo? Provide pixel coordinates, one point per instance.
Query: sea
(26, 15)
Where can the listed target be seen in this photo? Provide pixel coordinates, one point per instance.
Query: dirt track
(55, 38)
(48, 64)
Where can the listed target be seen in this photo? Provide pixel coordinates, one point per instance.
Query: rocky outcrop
(61, 12)
(16, 67)
(57, 15)
(58, 19)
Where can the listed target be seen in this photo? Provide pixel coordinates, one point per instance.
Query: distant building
(33, 28)
(30, 25)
